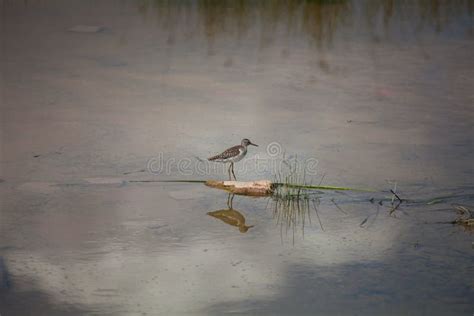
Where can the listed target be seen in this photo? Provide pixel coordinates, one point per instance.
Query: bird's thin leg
(228, 171)
(230, 198)
(232, 164)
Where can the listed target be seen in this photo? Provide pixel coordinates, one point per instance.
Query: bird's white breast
(239, 157)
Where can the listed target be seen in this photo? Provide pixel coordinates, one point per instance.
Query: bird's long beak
(253, 144)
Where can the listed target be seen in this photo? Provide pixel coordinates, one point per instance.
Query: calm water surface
(370, 94)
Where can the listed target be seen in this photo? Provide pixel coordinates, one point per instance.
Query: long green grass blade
(322, 187)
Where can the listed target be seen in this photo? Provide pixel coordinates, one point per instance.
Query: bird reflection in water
(231, 216)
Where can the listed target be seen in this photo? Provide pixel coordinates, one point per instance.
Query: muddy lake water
(101, 99)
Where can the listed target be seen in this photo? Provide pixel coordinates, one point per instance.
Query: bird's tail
(213, 158)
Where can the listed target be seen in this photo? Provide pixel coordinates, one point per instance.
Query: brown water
(369, 94)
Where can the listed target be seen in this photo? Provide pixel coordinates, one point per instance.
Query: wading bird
(233, 154)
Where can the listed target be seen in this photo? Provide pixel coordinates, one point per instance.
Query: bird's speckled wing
(228, 153)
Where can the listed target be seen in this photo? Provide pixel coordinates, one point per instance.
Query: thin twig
(316, 209)
(393, 191)
(395, 208)
(375, 218)
(364, 221)
(395, 194)
(322, 178)
(338, 207)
